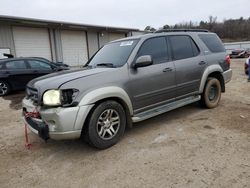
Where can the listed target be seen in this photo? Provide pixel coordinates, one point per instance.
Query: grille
(32, 94)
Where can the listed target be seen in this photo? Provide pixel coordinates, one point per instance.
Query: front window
(34, 64)
(114, 54)
(157, 48)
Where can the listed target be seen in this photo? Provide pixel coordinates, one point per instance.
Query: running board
(165, 108)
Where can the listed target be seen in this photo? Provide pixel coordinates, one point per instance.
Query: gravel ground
(188, 147)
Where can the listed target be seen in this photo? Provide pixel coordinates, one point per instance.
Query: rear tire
(211, 95)
(4, 88)
(106, 125)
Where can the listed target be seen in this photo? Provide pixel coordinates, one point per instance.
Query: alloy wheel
(3, 88)
(108, 124)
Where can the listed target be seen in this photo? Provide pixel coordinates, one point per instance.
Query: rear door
(153, 85)
(189, 64)
(16, 73)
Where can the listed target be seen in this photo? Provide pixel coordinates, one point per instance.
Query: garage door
(115, 36)
(32, 42)
(74, 47)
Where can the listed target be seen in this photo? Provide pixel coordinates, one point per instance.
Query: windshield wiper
(106, 64)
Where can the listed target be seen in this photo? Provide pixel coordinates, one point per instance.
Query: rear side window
(157, 48)
(212, 42)
(183, 47)
(20, 64)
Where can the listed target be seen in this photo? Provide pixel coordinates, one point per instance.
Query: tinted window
(19, 64)
(34, 64)
(157, 48)
(212, 42)
(183, 47)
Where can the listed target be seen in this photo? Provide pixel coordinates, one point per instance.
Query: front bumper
(55, 123)
(227, 75)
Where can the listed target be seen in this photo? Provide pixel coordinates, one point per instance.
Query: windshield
(115, 54)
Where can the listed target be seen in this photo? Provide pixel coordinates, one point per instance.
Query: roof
(158, 34)
(43, 23)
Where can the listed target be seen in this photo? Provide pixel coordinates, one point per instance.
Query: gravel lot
(188, 147)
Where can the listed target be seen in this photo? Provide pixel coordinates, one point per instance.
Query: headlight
(68, 96)
(52, 98)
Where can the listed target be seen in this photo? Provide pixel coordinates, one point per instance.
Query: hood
(55, 80)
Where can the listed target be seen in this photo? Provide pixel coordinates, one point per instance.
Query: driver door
(154, 85)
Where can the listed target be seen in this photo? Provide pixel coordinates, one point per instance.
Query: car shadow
(79, 146)
(15, 99)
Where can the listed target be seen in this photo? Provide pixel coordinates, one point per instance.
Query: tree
(228, 29)
(149, 28)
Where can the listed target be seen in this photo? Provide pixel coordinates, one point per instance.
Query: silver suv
(127, 81)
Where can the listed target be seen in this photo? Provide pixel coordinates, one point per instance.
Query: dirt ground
(188, 147)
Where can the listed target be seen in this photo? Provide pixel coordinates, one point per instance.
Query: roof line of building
(43, 22)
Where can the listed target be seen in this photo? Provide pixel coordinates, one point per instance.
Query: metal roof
(61, 24)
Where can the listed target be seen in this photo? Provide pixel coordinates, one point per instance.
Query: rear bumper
(227, 75)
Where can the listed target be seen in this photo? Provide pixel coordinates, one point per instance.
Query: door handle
(35, 71)
(168, 69)
(7, 72)
(202, 63)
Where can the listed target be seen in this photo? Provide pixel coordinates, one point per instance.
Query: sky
(126, 13)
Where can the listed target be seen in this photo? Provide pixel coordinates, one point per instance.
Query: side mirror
(143, 61)
(54, 68)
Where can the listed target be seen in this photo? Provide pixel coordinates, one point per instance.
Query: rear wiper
(106, 64)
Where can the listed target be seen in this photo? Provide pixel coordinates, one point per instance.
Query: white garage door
(115, 36)
(74, 47)
(32, 42)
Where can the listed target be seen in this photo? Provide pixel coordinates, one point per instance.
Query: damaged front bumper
(55, 123)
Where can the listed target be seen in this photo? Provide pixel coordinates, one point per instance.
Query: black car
(15, 73)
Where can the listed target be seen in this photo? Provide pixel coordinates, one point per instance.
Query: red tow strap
(27, 144)
(33, 114)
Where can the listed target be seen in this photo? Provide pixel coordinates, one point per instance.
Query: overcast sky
(126, 13)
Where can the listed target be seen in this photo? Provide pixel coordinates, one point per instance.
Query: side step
(165, 108)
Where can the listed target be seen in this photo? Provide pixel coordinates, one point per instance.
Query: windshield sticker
(126, 43)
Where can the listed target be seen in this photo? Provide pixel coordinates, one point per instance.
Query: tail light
(228, 60)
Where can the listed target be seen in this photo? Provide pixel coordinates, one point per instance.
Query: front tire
(4, 88)
(106, 125)
(211, 95)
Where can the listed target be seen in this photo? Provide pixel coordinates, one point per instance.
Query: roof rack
(181, 30)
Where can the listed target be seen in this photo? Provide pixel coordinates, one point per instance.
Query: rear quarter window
(212, 42)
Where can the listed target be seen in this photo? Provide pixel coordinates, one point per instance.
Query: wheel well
(120, 101)
(218, 76)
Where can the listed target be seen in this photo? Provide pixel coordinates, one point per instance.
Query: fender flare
(210, 69)
(107, 92)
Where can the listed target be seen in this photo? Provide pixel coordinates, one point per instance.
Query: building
(71, 43)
